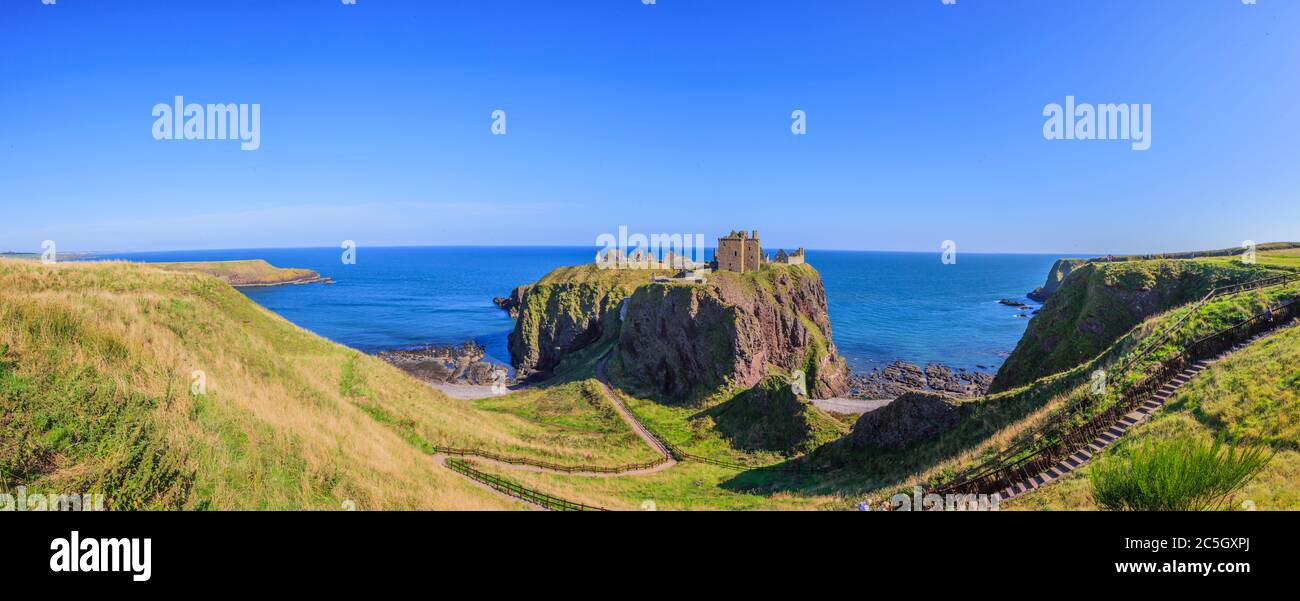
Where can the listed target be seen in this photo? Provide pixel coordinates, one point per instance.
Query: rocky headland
(682, 341)
(1059, 271)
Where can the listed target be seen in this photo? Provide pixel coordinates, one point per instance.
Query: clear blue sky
(924, 123)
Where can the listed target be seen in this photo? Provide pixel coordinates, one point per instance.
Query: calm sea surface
(883, 305)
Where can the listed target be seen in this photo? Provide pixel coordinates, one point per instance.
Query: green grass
(1178, 474)
(1098, 302)
(576, 414)
(769, 418)
(95, 398)
(999, 420)
(685, 486)
(1252, 395)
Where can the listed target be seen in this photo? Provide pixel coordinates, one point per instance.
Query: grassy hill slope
(1098, 302)
(97, 361)
(1252, 396)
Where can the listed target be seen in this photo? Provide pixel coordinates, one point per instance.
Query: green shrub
(1180, 474)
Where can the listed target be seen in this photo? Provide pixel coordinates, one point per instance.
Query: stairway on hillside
(1083, 456)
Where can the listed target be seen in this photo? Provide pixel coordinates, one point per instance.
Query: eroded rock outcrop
(683, 341)
(1055, 276)
(510, 304)
(901, 377)
(911, 418)
(450, 364)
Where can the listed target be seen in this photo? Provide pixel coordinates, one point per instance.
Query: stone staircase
(1082, 456)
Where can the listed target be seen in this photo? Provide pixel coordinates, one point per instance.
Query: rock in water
(911, 418)
(510, 304)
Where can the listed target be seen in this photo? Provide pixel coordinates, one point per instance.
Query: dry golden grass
(254, 272)
(275, 428)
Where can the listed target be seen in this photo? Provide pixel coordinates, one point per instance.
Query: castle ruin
(743, 253)
(739, 252)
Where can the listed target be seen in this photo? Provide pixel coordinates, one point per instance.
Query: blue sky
(924, 123)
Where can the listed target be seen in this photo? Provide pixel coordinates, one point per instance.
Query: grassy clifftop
(97, 361)
(1099, 301)
(244, 273)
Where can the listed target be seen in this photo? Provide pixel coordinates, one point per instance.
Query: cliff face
(681, 341)
(565, 312)
(685, 341)
(1098, 302)
(1055, 276)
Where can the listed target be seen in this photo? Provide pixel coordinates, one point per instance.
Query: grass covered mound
(1098, 302)
(769, 417)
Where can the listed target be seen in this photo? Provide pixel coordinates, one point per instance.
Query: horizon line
(564, 246)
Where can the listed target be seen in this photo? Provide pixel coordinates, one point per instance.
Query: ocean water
(883, 305)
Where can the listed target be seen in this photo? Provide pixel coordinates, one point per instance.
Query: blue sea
(883, 305)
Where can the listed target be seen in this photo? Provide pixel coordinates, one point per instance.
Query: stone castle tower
(739, 251)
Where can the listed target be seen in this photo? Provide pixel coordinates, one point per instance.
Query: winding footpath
(633, 422)
(665, 461)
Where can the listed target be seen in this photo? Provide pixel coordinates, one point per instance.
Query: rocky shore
(445, 364)
(900, 377)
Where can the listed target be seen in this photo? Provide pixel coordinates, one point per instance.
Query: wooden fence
(519, 492)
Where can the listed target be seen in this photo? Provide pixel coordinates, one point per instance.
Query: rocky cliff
(1055, 276)
(1100, 301)
(681, 341)
(565, 312)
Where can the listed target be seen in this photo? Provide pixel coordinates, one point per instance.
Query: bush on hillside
(1179, 474)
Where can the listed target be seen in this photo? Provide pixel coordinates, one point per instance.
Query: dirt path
(627, 416)
(472, 392)
(469, 392)
(851, 406)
